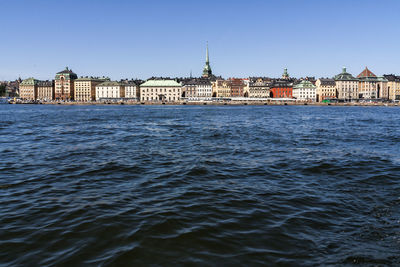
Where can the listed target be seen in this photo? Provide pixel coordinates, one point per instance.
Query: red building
(281, 89)
(237, 87)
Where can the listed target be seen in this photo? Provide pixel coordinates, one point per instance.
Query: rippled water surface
(201, 185)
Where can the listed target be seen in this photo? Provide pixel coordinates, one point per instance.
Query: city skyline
(141, 40)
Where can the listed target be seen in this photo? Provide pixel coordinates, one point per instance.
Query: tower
(207, 72)
(285, 74)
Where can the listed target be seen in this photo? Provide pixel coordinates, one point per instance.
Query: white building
(305, 91)
(107, 90)
(203, 88)
(346, 85)
(160, 90)
(132, 90)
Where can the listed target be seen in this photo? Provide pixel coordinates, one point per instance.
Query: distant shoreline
(209, 103)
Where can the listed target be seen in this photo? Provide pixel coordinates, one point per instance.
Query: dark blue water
(199, 185)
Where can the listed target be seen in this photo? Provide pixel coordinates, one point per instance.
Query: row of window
(161, 90)
(151, 98)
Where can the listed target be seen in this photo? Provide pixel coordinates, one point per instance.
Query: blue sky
(139, 39)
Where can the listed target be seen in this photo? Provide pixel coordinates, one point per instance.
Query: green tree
(2, 89)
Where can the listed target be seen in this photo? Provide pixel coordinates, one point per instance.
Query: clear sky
(139, 39)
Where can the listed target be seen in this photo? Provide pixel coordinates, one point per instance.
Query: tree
(2, 89)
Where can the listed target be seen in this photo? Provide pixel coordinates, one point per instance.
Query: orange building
(281, 89)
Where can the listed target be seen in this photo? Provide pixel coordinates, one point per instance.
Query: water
(199, 185)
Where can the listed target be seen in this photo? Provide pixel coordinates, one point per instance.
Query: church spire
(207, 57)
(207, 68)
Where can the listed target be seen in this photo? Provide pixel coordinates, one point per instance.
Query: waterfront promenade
(215, 103)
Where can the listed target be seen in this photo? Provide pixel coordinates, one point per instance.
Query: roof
(344, 76)
(66, 71)
(392, 77)
(161, 83)
(366, 73)
(29, 81)
(92, 79)
(109, 83)
(198, 82)
(45, 83)
(304, 84)
(327, 82)
(281, 83)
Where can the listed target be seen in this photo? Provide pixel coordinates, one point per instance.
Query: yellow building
(326, 89)
(222, 88)
(393, 86)
(28, 89)
(85, 88)
(45, 90)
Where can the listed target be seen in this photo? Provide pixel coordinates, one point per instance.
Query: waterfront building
(203, 88)
(237, 87)
(160, 90)
(222, 88)
(326, 89)
(305, 91)
(45, 90)
(370, 86)
(393, 86)
(189, 89)
(28, 89)
(110, 90)
(258, 88)
(207, 72)
(12, 88)
(346, 85)
(85, 88)
(281, 89)
(132, 89)
(64, 84)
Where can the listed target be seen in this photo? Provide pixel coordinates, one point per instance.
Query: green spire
(285, 74)
(207, 57)
(207, 72)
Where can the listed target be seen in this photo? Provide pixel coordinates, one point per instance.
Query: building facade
(28, 89)
(45, 90)
(305, 91)
(110, 90)
(281, 89)
(189, 89)
(237, 87)
(346, 86)
(64, 84)
(258, 88)
(85, 88)
(132, 90)
(326, 89)
(160, 90)
(203, 88)
(372, 87)
(12, 88)
(393, 86)
(222, 88)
